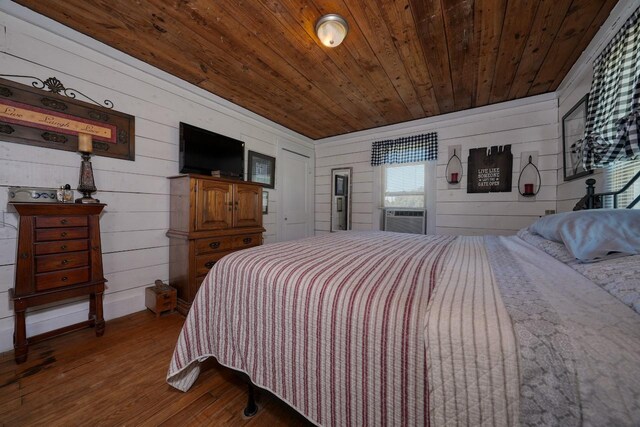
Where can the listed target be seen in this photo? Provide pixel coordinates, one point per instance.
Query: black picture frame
(573, 126)
(262, 169)
(340, 186)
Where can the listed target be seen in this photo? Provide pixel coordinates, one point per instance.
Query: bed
(378, 328)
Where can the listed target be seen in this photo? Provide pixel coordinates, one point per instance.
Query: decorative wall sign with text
(47, 114)
(490, 169)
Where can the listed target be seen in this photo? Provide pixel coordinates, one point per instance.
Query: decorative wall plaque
(490, 169)
(47, 114)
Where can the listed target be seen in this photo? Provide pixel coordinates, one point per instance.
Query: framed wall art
(48, 114)
(262, 169)
(490, 169)
(573, 127)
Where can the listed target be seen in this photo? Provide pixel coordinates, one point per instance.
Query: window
(404, 185)
(616, 176)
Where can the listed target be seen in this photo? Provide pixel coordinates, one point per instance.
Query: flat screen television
(203, 151)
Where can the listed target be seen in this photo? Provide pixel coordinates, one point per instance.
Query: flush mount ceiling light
(332, 29)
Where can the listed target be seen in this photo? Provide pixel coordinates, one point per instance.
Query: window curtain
(611, 132)
(408, 149)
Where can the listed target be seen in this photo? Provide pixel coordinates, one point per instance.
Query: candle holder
(86, 184)
(453, 171)
(529, 187)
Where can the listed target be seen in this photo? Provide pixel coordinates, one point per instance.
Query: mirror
(341, 199)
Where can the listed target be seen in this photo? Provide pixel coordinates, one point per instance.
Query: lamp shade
(85, 143)
(331, 29)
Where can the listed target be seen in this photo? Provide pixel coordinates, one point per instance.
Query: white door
(295, 195)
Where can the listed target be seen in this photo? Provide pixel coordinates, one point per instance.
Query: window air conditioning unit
(405, 221)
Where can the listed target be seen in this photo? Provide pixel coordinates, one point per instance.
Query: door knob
(285, 218)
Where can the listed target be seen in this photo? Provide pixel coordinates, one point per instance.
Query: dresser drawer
(61, 221)
(166, 301)
(44, 234)
(205, 262)
(247, 241)
(58, 279)
(61, 261)
(64, 246)
(218, 244)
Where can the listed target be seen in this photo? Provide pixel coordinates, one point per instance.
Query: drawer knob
(64, 279)
(63, 234)
(210, 264)
(214, 245)
(247, 240)
(64, 221)
(65, 262)
(63, 247)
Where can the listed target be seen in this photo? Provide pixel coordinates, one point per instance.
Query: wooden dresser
(210, 218)
(59, 257)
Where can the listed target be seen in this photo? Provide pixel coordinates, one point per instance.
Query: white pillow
(591, 235)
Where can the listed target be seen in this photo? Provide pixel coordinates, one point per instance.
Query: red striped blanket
(334, 325)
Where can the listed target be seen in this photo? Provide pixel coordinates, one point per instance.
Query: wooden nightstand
(59, 257)
(160, 298)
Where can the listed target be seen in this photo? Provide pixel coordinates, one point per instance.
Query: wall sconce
(530, 180)
(332, 29)
(453, 172)
(86, 184)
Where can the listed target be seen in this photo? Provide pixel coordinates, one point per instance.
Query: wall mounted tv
(203, 151)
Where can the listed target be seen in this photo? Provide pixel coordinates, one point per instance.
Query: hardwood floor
(119, 379)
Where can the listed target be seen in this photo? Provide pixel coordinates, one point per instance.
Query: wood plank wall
(528, 125)
(137, 217)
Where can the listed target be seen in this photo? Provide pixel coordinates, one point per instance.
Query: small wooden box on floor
(210, 218)
(160, 299)
(59, 257)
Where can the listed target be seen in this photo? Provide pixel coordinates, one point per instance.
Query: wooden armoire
(210, 218)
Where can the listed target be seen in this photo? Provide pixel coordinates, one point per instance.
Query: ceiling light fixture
(332, 29)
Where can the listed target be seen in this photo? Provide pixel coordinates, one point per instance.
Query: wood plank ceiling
(402, 59)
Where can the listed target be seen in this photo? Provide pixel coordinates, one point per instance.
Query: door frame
(288, 145)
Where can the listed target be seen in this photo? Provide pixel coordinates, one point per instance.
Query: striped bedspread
(335, 326)
(374, 328)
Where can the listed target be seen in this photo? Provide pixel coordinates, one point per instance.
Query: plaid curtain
(611, 132)
(408, 149)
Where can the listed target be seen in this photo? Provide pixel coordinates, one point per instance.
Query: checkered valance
(408, 149)
(611, 132)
